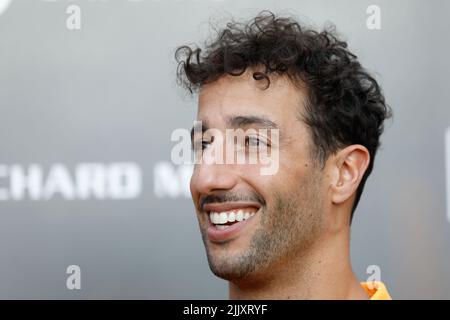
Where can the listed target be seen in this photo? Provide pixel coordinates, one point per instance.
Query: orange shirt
(376, 290)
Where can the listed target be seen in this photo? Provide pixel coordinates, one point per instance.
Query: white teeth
(223, 218)
(214, 216)
(220, 218)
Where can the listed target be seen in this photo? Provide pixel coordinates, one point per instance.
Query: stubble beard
(287, 228)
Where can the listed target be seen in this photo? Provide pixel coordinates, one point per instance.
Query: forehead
(232, 95)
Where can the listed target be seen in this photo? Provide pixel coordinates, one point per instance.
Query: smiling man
(284, 235)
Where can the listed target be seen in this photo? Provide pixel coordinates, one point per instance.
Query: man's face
(280, 214)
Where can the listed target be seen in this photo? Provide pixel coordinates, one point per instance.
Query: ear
(351, 164)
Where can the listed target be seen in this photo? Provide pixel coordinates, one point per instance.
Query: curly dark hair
(344, 105)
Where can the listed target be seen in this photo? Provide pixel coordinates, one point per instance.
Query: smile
(223, 220)
(227, 221)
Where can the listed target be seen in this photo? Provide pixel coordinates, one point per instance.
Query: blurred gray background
(106, 94)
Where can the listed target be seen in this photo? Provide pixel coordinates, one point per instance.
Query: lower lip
(217, 235)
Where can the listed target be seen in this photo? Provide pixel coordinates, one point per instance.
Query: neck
(324, 272)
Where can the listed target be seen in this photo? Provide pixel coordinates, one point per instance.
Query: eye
(254, 141)
(198, 146)
(205, 144)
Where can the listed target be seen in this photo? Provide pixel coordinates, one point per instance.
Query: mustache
(224, 196)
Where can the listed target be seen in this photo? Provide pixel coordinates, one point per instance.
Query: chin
(232, 275)
(234, 268)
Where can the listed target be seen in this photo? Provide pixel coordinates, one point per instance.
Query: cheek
(251, 171)
(193, 185)
(292, 176)
(264, 185)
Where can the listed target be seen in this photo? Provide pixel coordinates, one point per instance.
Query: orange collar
(376, 290)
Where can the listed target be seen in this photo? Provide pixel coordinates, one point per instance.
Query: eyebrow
(242, 121)
(237, 122)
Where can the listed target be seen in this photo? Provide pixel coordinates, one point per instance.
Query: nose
(208, 178)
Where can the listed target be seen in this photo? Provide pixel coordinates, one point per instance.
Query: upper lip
(228, 206)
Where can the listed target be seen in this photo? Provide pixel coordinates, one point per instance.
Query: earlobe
(352, 163)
